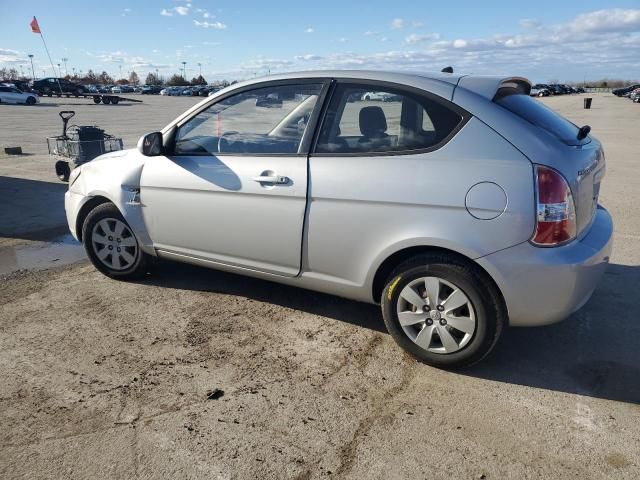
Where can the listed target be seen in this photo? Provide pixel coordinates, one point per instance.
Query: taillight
(555, 210)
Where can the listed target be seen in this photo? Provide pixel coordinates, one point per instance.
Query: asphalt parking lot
(193, 373)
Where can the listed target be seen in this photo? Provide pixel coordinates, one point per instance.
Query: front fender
(116, 177)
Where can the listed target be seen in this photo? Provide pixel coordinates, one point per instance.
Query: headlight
(73, 176)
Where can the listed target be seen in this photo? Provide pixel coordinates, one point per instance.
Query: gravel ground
(194, 373)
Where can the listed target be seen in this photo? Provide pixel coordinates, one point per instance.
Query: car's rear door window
(267, 120)
(366, 119)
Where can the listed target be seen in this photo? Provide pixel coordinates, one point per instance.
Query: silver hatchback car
(457, 202)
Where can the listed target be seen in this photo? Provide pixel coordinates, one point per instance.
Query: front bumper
(72, 204)
(545, 285)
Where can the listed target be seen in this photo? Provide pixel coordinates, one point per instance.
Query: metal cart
(78, 145)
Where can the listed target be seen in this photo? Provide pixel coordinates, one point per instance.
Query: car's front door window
(269, 120)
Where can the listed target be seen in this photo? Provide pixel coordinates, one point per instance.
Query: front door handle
(273, 179)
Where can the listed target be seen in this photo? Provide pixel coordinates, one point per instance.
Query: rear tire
(446, 336)
(111, 245)
(97, 99)
(115, 100)
(106, 100)
(31, 100)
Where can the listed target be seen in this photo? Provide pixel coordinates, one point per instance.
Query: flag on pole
(35, 28)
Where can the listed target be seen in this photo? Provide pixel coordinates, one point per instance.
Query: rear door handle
(274, 179)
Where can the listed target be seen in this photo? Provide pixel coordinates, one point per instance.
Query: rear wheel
(106, 100)
(31, 100)
(115, 100)
(111, 245)
(96, 100)
(442, 310)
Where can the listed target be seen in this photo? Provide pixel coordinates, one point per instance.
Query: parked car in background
(21, 85)
(57, 86)
(487, 215)
(377, 96)
(625, 91)
(11, 94)
(171, 91)
(116, 89)
(150, 90)
(539, 92)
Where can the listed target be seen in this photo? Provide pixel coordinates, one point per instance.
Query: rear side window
(538, 114)
(364, 119)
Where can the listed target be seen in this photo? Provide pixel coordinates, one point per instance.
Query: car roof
(439, 83)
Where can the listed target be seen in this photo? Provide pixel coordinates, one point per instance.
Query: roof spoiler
(512, 86)
(493, 88)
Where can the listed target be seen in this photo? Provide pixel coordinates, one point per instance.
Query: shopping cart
(78, 144)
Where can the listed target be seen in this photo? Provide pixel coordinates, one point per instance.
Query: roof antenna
(447, 70)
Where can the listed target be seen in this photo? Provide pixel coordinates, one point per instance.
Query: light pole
(64, 60)
(32, 70)
(59, 71)
(200, 67)
(120, 70)
(184, 70)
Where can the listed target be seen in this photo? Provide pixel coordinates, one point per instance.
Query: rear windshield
(533, 111)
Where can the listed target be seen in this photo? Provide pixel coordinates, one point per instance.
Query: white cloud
(530, 23)
(397, 23)
(207, 15)
(343, 40)
(415, 38)
(613, 20)
(214, 25)
(180, 10)
(370, 33)
(309, 30)
(417, 24)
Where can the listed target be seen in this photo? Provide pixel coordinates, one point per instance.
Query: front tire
(442, 310)
(31, 100)
(111, 245)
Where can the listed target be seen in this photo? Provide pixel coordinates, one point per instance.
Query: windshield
(535, 112)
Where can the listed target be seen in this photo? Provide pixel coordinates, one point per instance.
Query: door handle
(275, 179)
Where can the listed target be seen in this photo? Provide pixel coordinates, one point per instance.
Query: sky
(238, 39)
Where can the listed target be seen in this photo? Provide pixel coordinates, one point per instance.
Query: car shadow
(183, 276)
(32, 209)
(593, 353)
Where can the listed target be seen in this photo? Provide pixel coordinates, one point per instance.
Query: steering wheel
(226, 141)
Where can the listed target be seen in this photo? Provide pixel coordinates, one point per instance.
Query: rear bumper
(545, 285)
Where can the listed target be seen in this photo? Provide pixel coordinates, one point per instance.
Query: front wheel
(111, 245)
(442, 310)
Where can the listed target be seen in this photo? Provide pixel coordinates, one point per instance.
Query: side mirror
(150, 145)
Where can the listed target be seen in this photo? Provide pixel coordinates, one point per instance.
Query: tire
(97, 99)
(47, 91)
(115, 100)
(482, 316)
(31, 100)
(100, 222)
(79, 91)
(63, 170)
(106, 100)
(367, 98)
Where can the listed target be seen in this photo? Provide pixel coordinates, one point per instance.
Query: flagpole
(48, 55)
